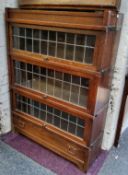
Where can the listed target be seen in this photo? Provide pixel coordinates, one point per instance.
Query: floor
(117, 160)
(14, 163)
(114, 163)
(47, 158)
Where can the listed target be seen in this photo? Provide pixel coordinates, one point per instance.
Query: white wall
(4, 88)
(118, 83)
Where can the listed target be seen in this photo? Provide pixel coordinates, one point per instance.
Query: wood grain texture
(110, 3)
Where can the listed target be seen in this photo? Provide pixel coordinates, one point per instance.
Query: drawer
(42, 135)
(79, 154)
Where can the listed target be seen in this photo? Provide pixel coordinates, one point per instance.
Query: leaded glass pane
(63, 45)
(53, 116)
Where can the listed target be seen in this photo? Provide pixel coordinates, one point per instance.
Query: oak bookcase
(60, 68)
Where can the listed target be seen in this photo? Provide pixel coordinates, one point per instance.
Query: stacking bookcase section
(79, 90)
(61, 65)
(73, 38)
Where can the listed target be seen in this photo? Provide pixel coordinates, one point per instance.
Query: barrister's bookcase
(60, 66)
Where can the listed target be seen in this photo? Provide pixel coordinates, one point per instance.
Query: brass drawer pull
(72, 150)
(21, 124)
(44, 126)
(45, 96)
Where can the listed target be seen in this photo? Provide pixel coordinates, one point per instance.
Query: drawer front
(42, 135)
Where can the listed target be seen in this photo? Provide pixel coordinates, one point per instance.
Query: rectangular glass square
(80, 132)
(57, 112)
(81, 122)
(65, 116)
(76, 80)
(72, 119)
(49, 118)
(22, 66)
(66, 91)
(28, 33)
(74, 94)
(72, 128)
(42, 115)
(17, 64)
(80, 39)
(44, 47)
(31, 110)
(16, 42)
(64, 125)
(58, 75)
(23, 78)
(36, 46)
(18, 103)
(70, 38)
(58, 89)
(89, 55)
(85, 82)
(15, 30)
(29, 80)
(52, 49)
(43, 107)
(52, 36)
(24, 107)
(57, 121)
(50, 85)
(44, 34)
(60, 50)
(43, 71)
(43, 84)
(61, 36)
(22, 43)
(22, 32)
(36, 104)
(17, 76)
(79, 54)
(29, 45)
(49, 109)
(69, 52)
(91, 40)
(67, 77)
(36, 33)
(36, 112)
(36, 69)
(36, 82)
(29, 67)
(83, 97)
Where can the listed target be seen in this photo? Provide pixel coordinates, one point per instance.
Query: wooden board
(71, 3)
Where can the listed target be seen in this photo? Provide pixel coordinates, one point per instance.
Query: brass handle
(45, 96)
(21, 124)
(44, 126)
(72, 150)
